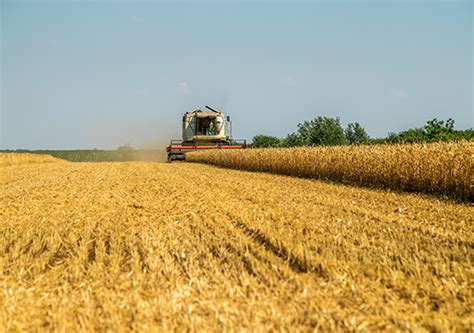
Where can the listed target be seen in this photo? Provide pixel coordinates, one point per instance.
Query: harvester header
(204, 128)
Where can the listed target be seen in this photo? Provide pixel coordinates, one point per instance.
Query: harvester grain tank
(204, 128)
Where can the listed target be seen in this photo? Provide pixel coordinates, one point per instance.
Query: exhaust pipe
(208, 107)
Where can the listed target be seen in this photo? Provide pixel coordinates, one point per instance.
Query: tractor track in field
(259, 238)
(235, 242)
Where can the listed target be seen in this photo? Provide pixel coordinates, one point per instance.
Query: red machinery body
(177, 150)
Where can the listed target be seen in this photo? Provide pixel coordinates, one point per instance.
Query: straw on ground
(156, 246)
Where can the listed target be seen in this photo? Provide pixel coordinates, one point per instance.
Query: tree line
(327, 131)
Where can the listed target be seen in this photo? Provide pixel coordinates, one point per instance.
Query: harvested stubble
(439, 168)
(156, 246)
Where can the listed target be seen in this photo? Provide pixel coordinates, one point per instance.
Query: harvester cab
(203, 129)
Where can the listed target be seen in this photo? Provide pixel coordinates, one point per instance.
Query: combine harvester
(208, 129)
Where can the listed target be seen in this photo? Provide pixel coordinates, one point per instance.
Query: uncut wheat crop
(440, 168)
(184, 246)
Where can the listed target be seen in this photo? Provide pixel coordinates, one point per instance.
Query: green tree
(434, 130)
(291, 140)
(356, 134)
(265, 141)
(411, 135)
(322, 131)
(467, 134)
(437, 130)
(128, 146)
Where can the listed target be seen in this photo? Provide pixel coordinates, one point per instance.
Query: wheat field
(159, 247)
(438, 168)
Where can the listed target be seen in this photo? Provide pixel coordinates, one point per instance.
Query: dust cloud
(147, 131)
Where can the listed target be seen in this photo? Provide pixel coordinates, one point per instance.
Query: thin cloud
(184, 88)
(399, 93)
(135, 18)
(288, 81)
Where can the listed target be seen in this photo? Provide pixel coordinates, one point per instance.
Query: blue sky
(86, 74)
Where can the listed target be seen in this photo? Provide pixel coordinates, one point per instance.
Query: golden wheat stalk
(440, 168)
